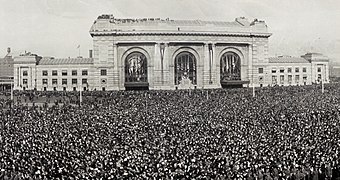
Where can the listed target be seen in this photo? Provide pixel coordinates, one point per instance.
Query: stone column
(120, 70)
(116, 82)
(154, 70)
(162, 51)
(250, 63)
(206, 65)
(215, 68)
(172, 66)
(166, 67)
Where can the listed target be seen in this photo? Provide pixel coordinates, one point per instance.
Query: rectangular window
(54, 81)
(304, 69)
(74, 72)
(289, 70)
(273, 70)
(64, 81)
(103, 72)
(290, 79)
(274, 80)
(297, 78)
(282, 79)
(304, 78)
(64, 72)
(260, 70)
(297, 69)
(84, 72)
(282, 70)
(84, 81)
(25, 73)
(319, 77)
(319, 69)
(44, 73)
(44, 81)
(74, 81)
(54, 73)
(24, 81)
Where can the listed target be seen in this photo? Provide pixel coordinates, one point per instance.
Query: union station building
(158, 53)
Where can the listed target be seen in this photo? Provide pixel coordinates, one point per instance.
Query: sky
(56, 27)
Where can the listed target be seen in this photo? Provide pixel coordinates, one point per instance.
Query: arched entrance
(230, 70)
(136, 72)
(185, 69)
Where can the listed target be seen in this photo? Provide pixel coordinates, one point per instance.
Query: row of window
(103, 72)
(282, 70)
(64, 72)
(289, 70)
(64, 81)
(290, 79)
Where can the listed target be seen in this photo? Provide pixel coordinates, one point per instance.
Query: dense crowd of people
(282, 133)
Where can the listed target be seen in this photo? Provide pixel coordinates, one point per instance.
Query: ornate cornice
(163, 33)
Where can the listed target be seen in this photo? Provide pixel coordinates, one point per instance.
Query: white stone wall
(324, 71)
(293, 73)
(68, 68)
(21, 64)
(116, 48)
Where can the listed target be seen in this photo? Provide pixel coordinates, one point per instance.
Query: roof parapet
(315, 57)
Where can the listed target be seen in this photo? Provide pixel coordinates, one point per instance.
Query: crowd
(282, 133)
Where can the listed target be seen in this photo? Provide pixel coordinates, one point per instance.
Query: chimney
(8, 50)
(90, 53)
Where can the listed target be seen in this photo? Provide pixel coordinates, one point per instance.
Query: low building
(6, 71)
(305, 70)
(33, 72)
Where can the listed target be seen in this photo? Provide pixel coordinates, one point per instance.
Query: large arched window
(136, 68)
(185, 68)
(230, 67)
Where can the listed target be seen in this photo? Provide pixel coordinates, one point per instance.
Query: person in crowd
(282, 133)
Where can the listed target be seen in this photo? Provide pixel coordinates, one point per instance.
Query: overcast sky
(56, 27)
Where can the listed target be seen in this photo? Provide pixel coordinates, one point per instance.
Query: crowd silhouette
(283, 133)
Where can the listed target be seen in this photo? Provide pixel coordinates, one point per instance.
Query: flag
(78, 46)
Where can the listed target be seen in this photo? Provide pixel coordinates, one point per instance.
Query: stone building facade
(177, 50)
(6, 71)
(161, 54)
(311, 68)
